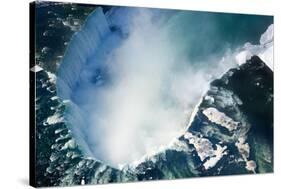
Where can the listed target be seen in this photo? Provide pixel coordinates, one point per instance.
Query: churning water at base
(133, 75)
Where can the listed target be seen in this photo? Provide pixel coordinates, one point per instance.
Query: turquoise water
(203, 34)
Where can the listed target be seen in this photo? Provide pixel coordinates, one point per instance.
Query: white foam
(264, 50)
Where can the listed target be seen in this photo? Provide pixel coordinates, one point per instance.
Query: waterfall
(83, 44)
(132, 77)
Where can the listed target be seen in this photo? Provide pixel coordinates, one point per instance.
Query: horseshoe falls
(131, 77)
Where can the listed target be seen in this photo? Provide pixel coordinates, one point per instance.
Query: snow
(205, 150)
(251, 165)
(58, 131)
(83, 181)
(36, 68)
(264, 50)
(56, 118)
(202, 145)
(52, 77)
(243, 148)
(220, 118)
(219, 153)
(54, 98)
(54, 157)
(69, 145)
(45, 50)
